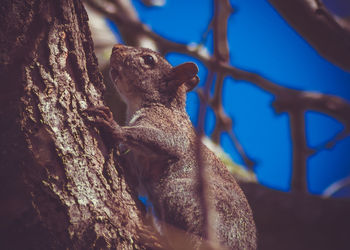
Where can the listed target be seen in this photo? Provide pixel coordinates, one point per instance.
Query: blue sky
(262, 42)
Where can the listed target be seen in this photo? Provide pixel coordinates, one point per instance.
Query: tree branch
(300, 151)
(328, 34)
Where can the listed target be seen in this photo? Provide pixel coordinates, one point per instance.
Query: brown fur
(163, 141)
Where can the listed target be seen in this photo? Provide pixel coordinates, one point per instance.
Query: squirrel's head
(144, 75)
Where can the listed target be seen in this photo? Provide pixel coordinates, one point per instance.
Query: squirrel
(162, 141)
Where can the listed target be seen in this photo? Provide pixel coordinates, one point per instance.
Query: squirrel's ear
(185, 73)
(191, 84)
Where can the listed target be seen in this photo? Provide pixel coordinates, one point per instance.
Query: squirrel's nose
(116, 47)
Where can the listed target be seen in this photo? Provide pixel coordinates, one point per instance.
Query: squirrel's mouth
(113, 74)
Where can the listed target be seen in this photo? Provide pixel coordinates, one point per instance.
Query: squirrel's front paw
(102, 117)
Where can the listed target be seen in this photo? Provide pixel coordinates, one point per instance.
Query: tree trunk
(62, 183)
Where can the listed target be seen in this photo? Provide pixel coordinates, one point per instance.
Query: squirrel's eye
(149, 60)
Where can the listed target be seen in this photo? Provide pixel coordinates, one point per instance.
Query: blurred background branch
(319, 27)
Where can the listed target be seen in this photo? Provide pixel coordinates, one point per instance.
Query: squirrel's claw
(101, 111)
(101, 117)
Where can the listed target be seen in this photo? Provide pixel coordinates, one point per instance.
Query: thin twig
(331, 142)
(248, 162)
(203, 178)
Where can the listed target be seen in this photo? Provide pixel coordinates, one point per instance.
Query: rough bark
(62, 183)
